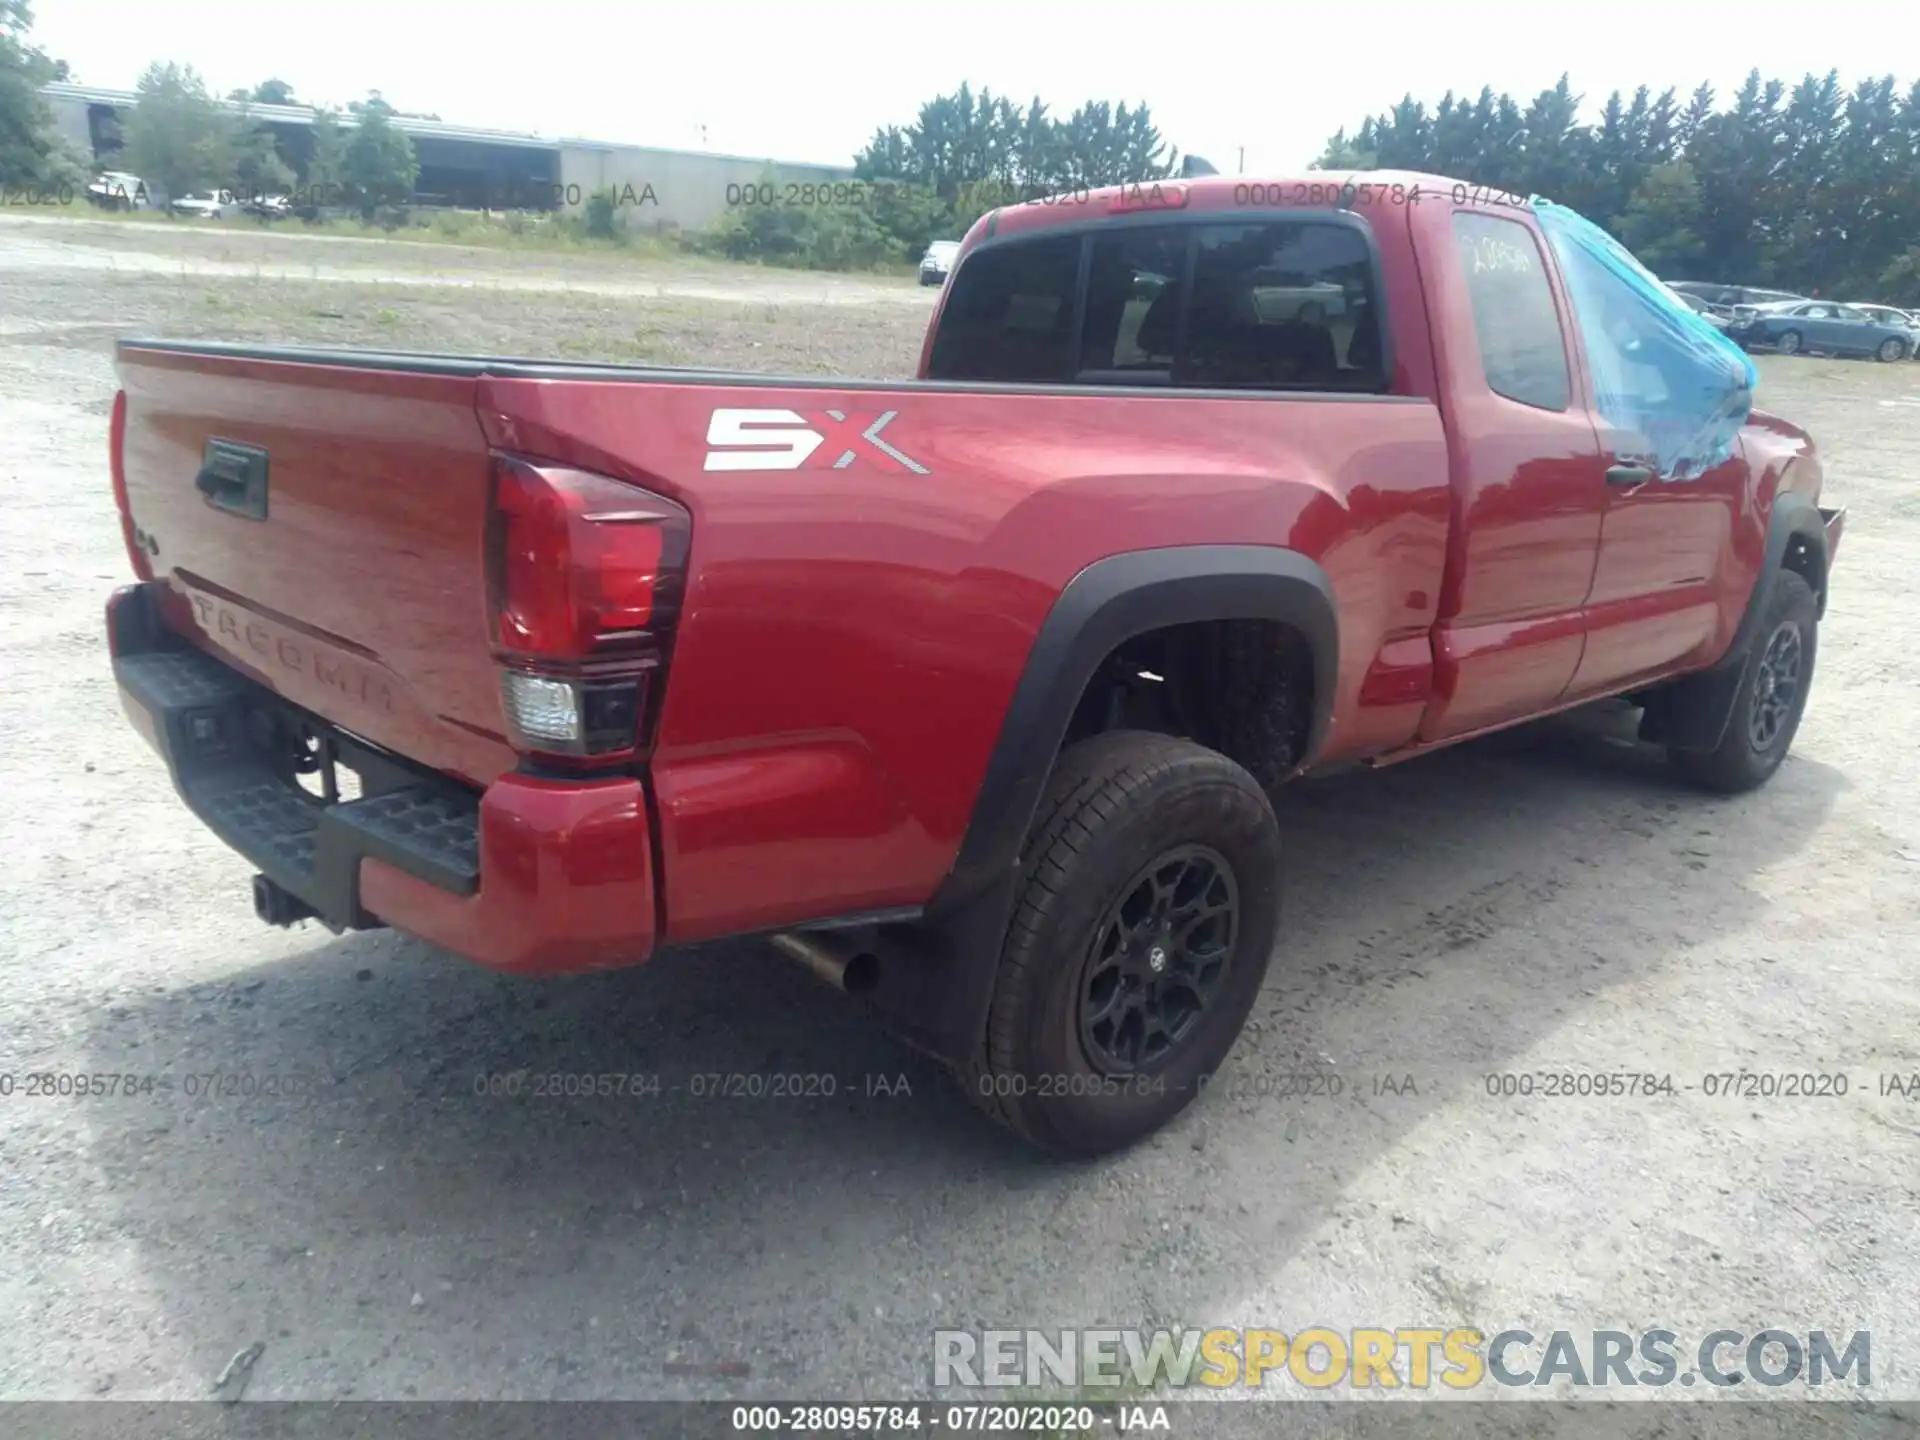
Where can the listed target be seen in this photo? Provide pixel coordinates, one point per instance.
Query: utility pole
(1243, 161)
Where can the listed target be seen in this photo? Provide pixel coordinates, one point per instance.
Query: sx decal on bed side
(759, 439)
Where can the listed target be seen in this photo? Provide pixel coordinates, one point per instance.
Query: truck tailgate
(322, 528)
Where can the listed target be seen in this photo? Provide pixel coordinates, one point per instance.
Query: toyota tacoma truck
(969, 691)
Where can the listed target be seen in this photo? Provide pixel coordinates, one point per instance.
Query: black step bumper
(229, 745)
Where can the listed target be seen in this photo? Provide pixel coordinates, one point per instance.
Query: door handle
(233, 477)
(217, 485)
(1624, 475)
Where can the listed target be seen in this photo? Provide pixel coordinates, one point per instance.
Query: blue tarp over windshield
(1675, 388)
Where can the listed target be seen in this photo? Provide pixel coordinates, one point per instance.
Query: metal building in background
(466, 168)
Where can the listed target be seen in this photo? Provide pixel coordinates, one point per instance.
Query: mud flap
(1693, 713)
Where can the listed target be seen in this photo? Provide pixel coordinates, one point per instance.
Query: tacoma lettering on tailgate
(249, 636)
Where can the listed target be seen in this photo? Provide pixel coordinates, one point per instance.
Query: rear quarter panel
(851, 638)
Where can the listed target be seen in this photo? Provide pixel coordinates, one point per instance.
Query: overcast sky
(811, 79)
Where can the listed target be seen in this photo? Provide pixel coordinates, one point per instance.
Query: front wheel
(1771, 698)
(1138, 945)
(1891, 350)
(1789, 343)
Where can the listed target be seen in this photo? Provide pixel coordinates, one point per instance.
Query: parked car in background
(118, 190)
(1727, 296)
(1823, 326)
(204, 204)
(1278, 295)
(1718, 316)
(1891, 315)
(937, 263)
(267, 207)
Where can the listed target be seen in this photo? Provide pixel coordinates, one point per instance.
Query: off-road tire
(1739, 762)
(1115, 804)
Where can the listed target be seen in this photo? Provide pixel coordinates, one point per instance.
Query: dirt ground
(1545, 901)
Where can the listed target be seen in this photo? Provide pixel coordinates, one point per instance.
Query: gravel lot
(1543, 901)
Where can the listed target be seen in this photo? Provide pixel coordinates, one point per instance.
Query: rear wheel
(1138, 945)
(1891, 349)
(1771, 698)
(1789, 343)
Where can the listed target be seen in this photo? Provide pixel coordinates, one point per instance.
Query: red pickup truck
(968, 691)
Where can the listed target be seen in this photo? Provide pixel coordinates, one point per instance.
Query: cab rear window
(1280, 304)
(1009, 314)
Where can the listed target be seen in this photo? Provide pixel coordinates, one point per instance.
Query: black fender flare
(1693, 713)
(939, 998)
(1795, 517)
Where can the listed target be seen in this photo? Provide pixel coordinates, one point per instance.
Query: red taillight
(117, 462)
(587, 573)
(585, 566)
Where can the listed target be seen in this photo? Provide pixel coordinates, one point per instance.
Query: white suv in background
(937, 263)
(118, 190)
(204, 204)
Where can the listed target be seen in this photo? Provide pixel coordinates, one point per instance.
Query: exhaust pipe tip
(839, 965)
(278, 906)
(862, 973)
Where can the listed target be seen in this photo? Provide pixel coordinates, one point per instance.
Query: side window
(1283, 305)
(1521, 349)
(1133, 304)
(1009, 315)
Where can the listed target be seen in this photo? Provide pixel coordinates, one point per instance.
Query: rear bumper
(533, 875)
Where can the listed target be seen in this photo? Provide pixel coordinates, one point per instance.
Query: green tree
(1347, 154)
(1699, 110)
(378, 166)
(1901, 278)
(1733, 156)
(602, 216)
(1661, 221)
(1462, 132)
(267, 92)
(1632, 137)
(1552, 155)
(1873, 202)
(178, 138)
(1801, 220)
(31, 151)
(967, 153)
(1806, 185)
(964, 138)
(258, 166)
(839, 238)
(326, 168)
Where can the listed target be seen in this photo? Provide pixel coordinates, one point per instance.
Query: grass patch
(524, 231)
